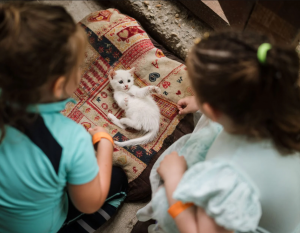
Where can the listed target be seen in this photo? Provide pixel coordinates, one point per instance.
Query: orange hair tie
(178, 207)
(98, 136)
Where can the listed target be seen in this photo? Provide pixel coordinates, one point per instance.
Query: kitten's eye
(121, 82)
(129, 80)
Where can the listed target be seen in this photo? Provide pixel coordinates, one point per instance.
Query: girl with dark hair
(42, 153)
(240, 169)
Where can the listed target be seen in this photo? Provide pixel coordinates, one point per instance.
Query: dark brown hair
(263, 100)
(37, 45)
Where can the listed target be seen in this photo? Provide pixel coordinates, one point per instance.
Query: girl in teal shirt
(42, 153)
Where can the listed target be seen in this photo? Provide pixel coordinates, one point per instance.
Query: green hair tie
(262, 52)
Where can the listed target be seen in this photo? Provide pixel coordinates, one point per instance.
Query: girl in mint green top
(241, 166)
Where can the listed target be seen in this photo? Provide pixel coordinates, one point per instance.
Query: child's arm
(89, 197)
(207, 224)
(171, 170)
(193, 219)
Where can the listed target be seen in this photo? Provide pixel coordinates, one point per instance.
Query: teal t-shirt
(35, 167)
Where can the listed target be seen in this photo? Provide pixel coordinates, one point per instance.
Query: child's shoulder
(62, 125)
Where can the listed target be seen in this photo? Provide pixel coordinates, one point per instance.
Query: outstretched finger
(181, 110)
(182, 102)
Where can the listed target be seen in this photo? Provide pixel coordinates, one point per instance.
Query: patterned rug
(116, 41)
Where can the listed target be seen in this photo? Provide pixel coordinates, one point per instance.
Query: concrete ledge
(167, 21)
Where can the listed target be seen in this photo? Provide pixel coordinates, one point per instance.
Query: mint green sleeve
(224, 192)
(196, 147)
(83, 166)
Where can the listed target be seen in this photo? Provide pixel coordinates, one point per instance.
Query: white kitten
(141, 111)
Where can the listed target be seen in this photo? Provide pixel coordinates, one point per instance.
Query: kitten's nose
(126, 86)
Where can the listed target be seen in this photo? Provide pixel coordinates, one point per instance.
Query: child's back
(35, 166)
(276, 178)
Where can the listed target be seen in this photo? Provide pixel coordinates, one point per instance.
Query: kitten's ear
(111, 74)
(131, 71)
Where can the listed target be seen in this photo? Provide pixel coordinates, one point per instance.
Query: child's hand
(187, 105)
(96, 129)
(172, 166)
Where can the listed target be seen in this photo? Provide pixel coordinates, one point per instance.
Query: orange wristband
(177, 208)
(98, 136)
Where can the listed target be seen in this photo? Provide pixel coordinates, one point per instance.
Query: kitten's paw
(110, 117)
(154, 90)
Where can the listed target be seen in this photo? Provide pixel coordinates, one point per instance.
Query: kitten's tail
(148, 137)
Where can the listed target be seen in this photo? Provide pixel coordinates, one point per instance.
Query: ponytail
(261, 98)
(36, 48)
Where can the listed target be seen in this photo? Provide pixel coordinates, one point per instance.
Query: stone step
(167, 21)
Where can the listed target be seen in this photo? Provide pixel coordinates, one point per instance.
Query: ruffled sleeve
(196, 147)
(224, 192)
